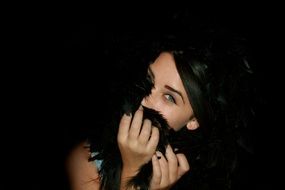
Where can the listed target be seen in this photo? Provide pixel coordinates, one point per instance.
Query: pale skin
(137, 138)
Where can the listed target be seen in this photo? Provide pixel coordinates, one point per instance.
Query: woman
(199, 87)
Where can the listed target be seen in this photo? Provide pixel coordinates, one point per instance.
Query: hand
(137, 142)
(167, 171)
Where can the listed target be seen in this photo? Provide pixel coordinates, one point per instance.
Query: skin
(137, 139)
(169, 96)
(83, 175)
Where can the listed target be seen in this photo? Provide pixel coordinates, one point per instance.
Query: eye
(170, 98)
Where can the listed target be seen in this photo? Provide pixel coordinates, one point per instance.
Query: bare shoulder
(83, 175)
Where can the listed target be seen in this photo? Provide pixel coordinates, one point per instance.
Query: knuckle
(123, 122)
(145, 132)
(185, 169)
(147, 122)
(139, 111)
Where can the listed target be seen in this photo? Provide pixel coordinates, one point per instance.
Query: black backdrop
(77, 65)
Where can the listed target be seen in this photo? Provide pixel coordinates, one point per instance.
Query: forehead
(164, 67)
(166, 74)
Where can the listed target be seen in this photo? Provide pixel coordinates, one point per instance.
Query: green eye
(170, 98)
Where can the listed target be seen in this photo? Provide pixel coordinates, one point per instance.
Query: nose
(148, 102)
(144, 102)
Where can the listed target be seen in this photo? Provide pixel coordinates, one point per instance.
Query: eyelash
(172, 99)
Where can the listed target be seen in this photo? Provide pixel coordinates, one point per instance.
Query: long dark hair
(215, 69)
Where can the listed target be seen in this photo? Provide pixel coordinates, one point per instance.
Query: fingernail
(158, 155)
(128, 114)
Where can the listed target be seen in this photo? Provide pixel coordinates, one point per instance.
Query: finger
(136, 123)
(172, 164)
(156, 172)
(145, 131)
(124, 127)
(164, 169)
(183, 164)
(153, 141)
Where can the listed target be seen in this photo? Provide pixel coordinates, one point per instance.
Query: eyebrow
(175, 91)
(166, 86)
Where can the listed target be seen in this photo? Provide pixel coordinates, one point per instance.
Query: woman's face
(168, 95)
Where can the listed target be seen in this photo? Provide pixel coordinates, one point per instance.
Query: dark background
(75, 62)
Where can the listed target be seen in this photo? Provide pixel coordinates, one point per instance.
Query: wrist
(126, 175)
(128, 171)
